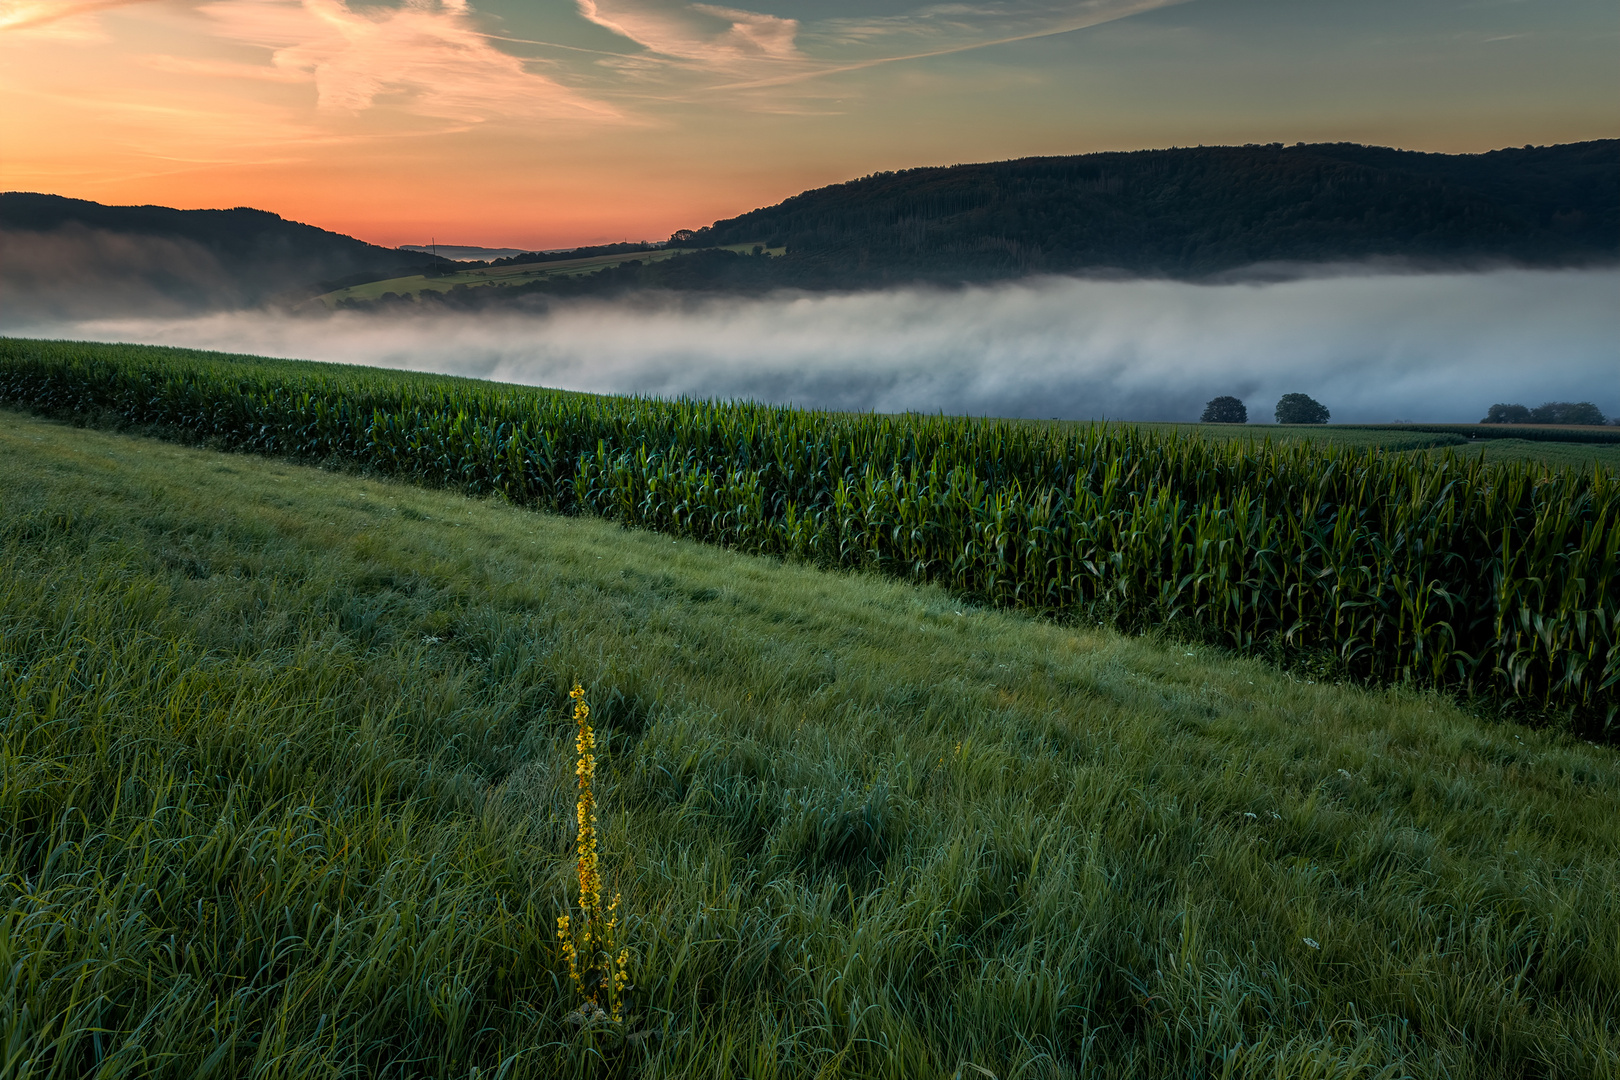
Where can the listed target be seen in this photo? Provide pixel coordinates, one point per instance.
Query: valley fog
(1372, 347)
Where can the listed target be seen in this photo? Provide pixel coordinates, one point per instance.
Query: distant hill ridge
(1195, 211)
(76, 256)
(1191, 213)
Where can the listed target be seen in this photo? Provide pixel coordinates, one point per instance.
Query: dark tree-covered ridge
(192, 257)
(1194, 212)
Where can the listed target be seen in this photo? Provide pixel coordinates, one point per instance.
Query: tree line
(1303, 409)
(1548, 412)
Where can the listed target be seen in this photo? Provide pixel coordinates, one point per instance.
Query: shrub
(1301, 409)
(1224, 410)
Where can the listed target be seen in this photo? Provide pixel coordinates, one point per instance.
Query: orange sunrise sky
(548, 123)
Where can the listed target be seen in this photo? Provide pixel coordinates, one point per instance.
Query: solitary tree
(1224, 410)
(1507, 414)
(1301, 409)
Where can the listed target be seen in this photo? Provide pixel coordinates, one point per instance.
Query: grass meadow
(515, 274)
(288, 782)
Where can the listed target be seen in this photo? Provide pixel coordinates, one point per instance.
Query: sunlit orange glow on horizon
(401, 121)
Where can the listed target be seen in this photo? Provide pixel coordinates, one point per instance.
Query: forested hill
(1186, 213)
(62, 254)
(1194, 212)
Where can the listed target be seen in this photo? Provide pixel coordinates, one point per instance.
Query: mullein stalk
(597, 969)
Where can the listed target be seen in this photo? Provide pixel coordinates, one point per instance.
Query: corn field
(1496, 580)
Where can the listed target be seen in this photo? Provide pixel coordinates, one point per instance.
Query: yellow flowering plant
(598, 964)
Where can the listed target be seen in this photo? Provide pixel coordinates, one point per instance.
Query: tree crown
(1224, 410)
(1301, 409)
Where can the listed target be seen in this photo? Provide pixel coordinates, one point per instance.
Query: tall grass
(289, 787)
(1448, 572)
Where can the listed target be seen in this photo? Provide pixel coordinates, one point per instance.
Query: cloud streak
(717, 37)
(944, 28)
(28, 14)
(1373, 347)
(427, 57)
(753, 51)
(436, 58)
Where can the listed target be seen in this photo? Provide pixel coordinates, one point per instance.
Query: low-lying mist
(1372, 347)
(77, 272)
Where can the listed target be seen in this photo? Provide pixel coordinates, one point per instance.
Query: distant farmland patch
(508, 275)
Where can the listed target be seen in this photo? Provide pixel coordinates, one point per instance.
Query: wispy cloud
(730, 49)
(27, 14)
(717, 37)
(415, 68)
(945, 27)
(427, 57)
(439, 59)
(222, 69)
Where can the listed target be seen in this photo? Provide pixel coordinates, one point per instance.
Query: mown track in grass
(1494, 579)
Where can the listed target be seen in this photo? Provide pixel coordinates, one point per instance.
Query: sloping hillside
(71, 256)
(289, 787)
(1194, 212)
(1187, 213)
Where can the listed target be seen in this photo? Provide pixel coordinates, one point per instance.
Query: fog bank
(77, 272)
(1372, 347)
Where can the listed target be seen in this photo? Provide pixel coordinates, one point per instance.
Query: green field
(1495, 446)
(1500, 582)
(1557, 454)
(286, 773)
(1491, 442)
(520, 274)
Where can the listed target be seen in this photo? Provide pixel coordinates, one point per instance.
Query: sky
(550, 123)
